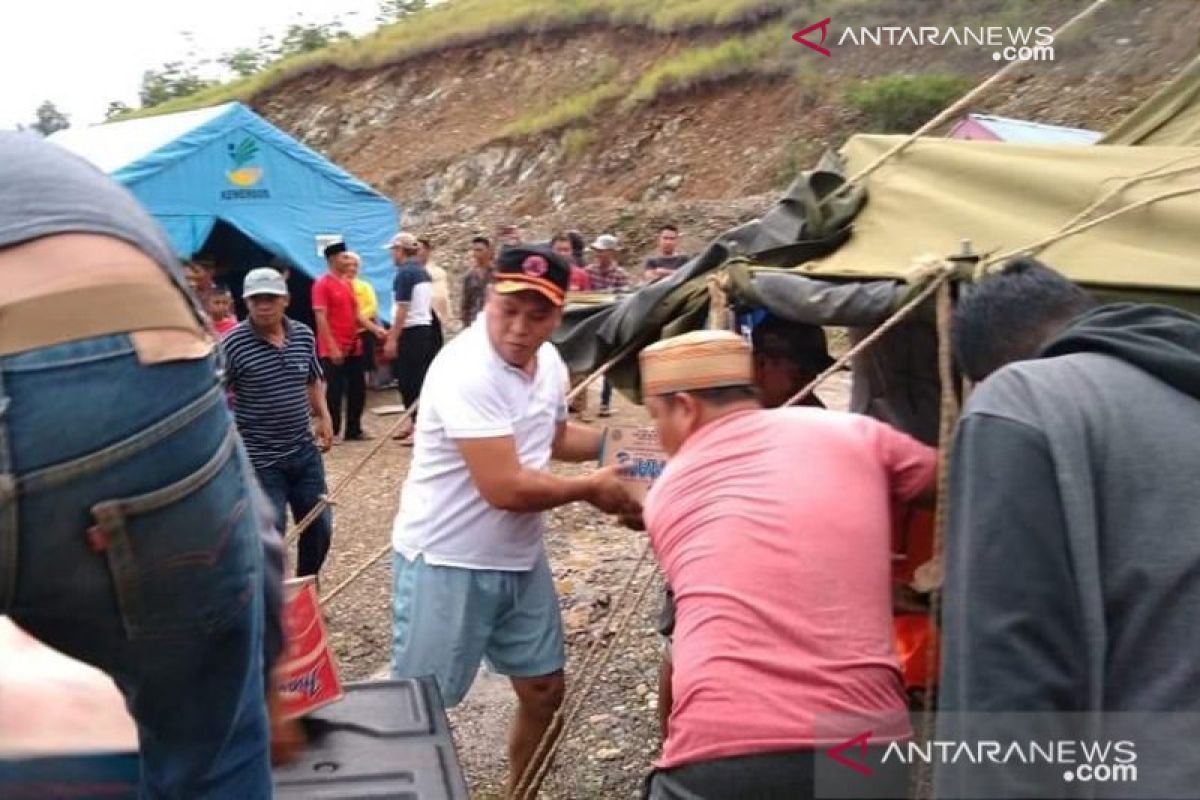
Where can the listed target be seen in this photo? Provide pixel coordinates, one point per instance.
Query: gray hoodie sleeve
(1012, 630)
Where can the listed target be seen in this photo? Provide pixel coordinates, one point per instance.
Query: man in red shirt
(338, 345)
(773, 529)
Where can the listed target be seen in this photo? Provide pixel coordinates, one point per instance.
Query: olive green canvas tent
(1006, 197)
(1125, 219)
(1171, 118)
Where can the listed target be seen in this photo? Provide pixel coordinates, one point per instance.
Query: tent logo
(244, 173)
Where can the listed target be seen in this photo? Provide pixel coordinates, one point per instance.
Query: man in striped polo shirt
(272, 368)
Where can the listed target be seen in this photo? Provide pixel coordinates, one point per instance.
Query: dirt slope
(428, 131)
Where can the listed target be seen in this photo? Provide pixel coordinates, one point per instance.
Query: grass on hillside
(698, 65)
(569, 110)
(684, 70)
(457, 22)
(577, 141)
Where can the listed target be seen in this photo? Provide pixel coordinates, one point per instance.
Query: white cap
(263, 280)
(606, 241)
(405, 241)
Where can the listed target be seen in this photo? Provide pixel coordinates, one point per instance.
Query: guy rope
(938, 279)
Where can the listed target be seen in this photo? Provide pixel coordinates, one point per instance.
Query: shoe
(605, 411)
(361, 436)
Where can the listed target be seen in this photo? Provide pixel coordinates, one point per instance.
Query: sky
(82, 54)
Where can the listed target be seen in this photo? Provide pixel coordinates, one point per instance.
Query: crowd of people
(272, 398)
(143, 535)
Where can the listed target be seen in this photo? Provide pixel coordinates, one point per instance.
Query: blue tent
(215, 171)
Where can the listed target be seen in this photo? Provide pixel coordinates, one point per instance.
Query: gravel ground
(611, 743)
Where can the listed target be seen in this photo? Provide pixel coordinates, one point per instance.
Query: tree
(395, 10)
(115, 109)
(50, 119)
(304, 37)
(245, 61)
(172, 80)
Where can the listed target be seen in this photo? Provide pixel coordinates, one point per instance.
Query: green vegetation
(901, 103)
(457, 22)
(567, 111)
(698, 65)
(576, 141)
(604, 85)
(684, 70)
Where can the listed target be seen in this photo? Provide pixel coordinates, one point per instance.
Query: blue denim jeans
(128, 540)
(298, 482)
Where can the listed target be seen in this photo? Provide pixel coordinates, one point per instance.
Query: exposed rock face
(430, 131)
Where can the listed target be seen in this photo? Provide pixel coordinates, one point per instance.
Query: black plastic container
(385, 739)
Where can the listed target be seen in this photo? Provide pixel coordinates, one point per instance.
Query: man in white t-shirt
(414, 338)
(471, 576)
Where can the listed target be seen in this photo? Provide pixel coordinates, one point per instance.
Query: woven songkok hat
(696, 361)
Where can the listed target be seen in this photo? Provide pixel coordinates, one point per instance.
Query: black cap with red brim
(525, 268)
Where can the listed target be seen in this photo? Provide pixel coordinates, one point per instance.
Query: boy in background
(219, 306)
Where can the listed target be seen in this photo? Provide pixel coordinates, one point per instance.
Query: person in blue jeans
(130, 526)
(273, 370)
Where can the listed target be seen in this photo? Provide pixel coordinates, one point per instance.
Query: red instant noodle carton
(307, 675)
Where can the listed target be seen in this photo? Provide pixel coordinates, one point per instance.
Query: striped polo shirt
(270, 387)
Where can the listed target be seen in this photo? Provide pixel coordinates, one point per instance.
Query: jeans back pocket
(184, 558)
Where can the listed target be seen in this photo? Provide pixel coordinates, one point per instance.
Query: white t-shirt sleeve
(561, 412)
(475, 409)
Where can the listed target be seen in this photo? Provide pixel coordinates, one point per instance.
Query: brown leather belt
(87, 312)
(67, 287)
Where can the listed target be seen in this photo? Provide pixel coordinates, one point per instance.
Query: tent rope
(1055, 238)
(948, 418)
(939, 278)
(953, 110)
(530, 781)
(335, 591)
(1160, 172)
(327, 500)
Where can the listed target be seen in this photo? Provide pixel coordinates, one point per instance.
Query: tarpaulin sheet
(1004, 197)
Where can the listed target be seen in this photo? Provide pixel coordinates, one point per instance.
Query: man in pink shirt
(773, 529)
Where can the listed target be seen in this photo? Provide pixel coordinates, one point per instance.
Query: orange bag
(915, 634)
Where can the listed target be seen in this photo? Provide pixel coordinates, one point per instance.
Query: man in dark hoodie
(1073, 549)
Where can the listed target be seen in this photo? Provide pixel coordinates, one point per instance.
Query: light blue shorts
(446, 620)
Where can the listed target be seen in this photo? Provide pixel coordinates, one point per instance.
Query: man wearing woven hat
(773, 529)
(471, 580)
(787, 357)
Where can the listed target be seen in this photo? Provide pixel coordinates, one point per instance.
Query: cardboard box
(639, 450)
(307, 674)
